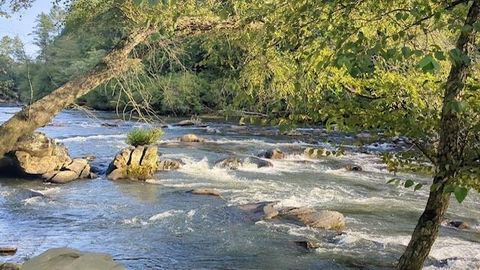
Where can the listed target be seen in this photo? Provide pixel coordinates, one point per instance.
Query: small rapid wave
(92, 137)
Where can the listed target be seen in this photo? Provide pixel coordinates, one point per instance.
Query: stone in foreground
(134, 163)
(71, 259)
(9, 266)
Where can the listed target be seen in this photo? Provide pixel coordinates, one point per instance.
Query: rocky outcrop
(232, 163)
(321, 219)
(134, 163)
(272, 154)
(205, 191)
(169, 164)
(191, 138)
(40, 156)
(71, 259)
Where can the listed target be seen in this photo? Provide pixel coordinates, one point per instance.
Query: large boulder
(71, 259)
(322, 219)
(134, 163)
(40, 156)
(191, 138)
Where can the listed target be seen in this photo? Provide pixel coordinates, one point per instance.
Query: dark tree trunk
(42, 111)
(449, 154)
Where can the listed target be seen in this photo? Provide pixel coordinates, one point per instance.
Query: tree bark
(449, 154)
(42, 111)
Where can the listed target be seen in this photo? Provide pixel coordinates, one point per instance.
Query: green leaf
(406, 51)
(460, 193)
(391, 181)
(417, 187)
(409, 183)
(440, 55)
(428, 64)
(476, 26)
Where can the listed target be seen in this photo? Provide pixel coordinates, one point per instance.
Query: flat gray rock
(71, 259)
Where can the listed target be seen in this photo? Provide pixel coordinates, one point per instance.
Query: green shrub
(140, 136)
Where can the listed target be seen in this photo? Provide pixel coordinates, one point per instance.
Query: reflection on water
(158, 225)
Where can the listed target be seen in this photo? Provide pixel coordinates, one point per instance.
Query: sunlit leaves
(429, 64)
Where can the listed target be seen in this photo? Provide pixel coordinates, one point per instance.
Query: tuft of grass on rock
(141, 136)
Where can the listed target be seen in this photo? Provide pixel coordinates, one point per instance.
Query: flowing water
(157, 225)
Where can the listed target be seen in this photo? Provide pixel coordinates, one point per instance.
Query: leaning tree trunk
(448, 156)
(42, 111)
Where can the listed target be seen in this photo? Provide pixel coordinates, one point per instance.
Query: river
(157, 225)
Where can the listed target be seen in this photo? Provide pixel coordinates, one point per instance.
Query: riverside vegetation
(399, 68)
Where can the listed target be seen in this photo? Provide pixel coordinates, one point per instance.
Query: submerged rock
(71, 259)
(462, 225)
(40, 156)
(353, 168)
(191, 138)
(205, 191)
(258, 161)
(232, 163)
(307, 244)
(134, 163)
(321, 219)
(272, 154)
(169, 164)
(260, 211)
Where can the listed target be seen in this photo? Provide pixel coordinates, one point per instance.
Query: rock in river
(272, 154)
(232, 163)
(71, 259)
(353, 168)
(134, 163)
(41, 156)
(260, 211)
(205, 191)
(322, 219)
(258, 161)
(191, 138)
(169, 164)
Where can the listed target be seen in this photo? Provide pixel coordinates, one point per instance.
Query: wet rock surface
(71, 259)
(134, 163)
(37, 155)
